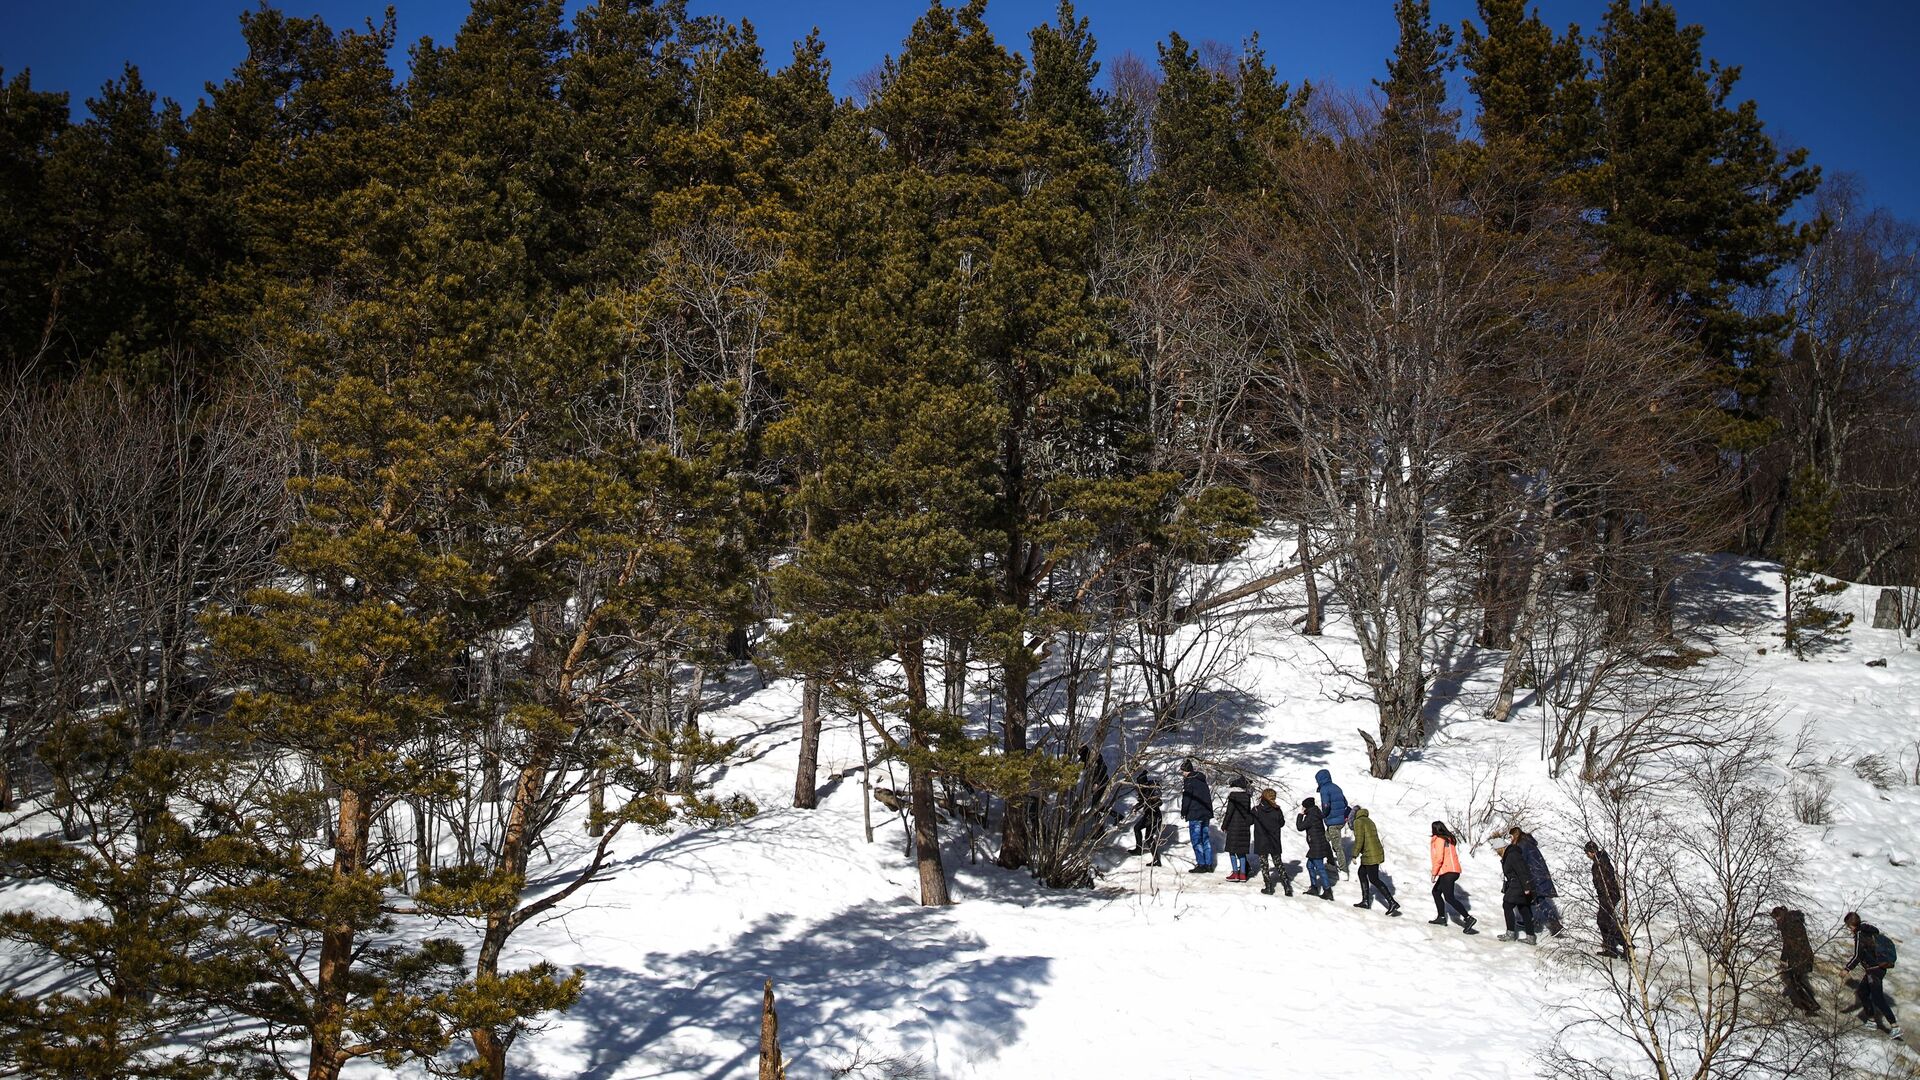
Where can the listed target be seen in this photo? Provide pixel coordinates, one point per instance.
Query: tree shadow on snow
(839, 983)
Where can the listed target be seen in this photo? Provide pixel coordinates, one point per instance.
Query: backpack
(1884, 949)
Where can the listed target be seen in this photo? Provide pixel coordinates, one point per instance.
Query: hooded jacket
(1796, 951)
(1237, 824)
(1333, 801)
(1445, 856)
(1606, 884)
(1310, 821)
(1537, 866)
(1516, 884)
(1366, 840)
(1196, 798)
(1269, 824)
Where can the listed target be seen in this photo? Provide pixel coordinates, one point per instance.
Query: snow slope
(1157, 973)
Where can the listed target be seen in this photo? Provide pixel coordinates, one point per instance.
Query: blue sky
(1840, 78)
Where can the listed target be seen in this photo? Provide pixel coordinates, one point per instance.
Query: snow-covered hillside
(1158, 973)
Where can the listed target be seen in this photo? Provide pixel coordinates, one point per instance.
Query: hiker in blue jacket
(1333, 804)
(1196, 808)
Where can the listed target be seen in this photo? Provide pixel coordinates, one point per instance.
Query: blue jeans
(1202, 842)
(1317, 874)
(1239, 863)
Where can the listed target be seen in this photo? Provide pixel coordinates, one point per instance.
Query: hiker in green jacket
(1368, 852)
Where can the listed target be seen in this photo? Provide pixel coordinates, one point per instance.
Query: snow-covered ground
(1157, 973)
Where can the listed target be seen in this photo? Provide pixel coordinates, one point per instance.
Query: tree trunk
(1529, 612)
(806, 795)
(1014, 839)
(1312, 626)
(490, 1047)
(770, 1064)
(926, 822)
(337, 943)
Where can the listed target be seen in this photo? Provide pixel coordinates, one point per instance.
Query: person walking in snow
(1367, 849)
(1312, 822)
(1146, 827)
(1095, 764)
(1444, 851)
(1333, 804)
(1796, 959)
(1196, 808)
(1236, 827)
(1546, 913)
(1269, 823)
(1516, 889)
(1606, 899)
(1874, 954)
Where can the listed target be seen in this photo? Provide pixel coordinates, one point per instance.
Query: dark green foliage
(1692, 195)
(1416, 82)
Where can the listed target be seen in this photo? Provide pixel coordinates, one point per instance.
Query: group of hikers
(1338, 834)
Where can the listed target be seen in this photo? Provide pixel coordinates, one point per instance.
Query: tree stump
(1887, 610)
(771, 1067)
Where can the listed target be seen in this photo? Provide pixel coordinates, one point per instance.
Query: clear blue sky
(1840, 78)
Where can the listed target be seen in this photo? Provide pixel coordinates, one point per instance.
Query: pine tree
(1416, 83)
(1693, 198)
(1808, 622)
(1536, 103)
(887, 418)
(30, 123)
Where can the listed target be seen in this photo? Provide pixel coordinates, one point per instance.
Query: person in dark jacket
(1545, 912)
(1333, 804)
(1368, 849)
(1312, 822)
(1516, 889)
(1196, 809)
(1796, 958)
(1269, 823)
(1873, 954)
(1146, 827)
(1606, 899)
(1236, 827)
(1095, 764)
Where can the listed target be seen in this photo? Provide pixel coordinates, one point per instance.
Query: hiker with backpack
(1367, 849)
(1445, 854)
(1796, 958)
(1874, 954)
(1312, 822)
(1196, 809)
(1237, 827)
(1606, 899)
(1269, 822)
(1146, 827)
(1516, 889)
(1546, 913)
(1333, 807)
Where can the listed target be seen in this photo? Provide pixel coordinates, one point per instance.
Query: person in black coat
(1236, 827)
(1196, 809)
(1606, 899)
(1874, 955)
(1269, 824)
(1312, 822)
(1516, 889)
(1146, 827)
(1796, 958)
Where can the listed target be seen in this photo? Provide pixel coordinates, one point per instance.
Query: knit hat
(1186, 764)
(1238, 782)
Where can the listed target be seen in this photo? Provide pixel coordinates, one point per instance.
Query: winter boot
(1287, 887)
(1532, 939)
(1393, 910)
(1135, 851)
(1441, 921)
(1268, 889)
(1328, 895)
(1895, 1033)
(1466, 925)
(1508, 936)
(1201, 870)
(1367, 903)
